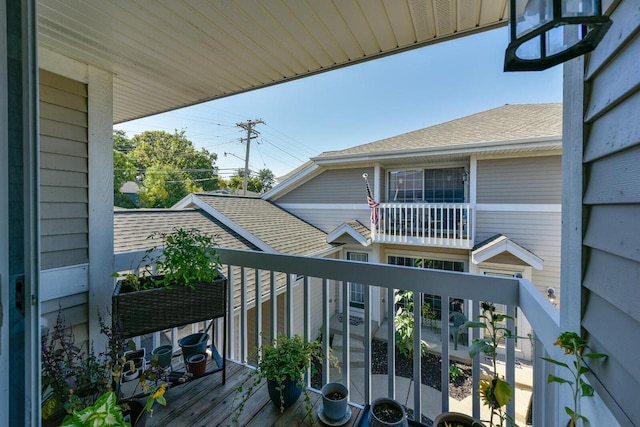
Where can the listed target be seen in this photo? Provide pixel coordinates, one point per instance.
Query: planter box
(143, 312)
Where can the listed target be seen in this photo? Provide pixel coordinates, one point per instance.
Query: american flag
(372, 203)
(374, 211)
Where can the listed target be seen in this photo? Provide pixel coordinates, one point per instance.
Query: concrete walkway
(431, 398)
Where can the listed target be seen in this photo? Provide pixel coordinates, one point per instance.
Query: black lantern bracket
(589, 32)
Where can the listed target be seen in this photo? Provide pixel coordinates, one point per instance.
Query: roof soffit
(172, 54)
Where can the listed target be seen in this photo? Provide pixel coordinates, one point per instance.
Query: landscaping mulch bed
(431, 370)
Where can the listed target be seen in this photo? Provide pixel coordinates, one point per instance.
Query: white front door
(523, 332)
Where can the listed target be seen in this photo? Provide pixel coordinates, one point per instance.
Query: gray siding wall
(520, 180)
(64, 171)
(611, 203)
(539, 232)
(332, 186)
(328, 219)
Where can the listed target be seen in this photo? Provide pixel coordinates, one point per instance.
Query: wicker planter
(143, 312)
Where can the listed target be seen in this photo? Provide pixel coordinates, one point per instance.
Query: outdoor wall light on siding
(545, 33)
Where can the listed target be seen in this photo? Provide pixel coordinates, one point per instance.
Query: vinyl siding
(611, 204)
(520, 180)
(539, 232)
(331, 186)
(328, 220)
(63, 171)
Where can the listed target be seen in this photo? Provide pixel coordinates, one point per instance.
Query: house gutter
(550, 142)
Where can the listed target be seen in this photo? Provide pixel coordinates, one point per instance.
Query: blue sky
(359, 104)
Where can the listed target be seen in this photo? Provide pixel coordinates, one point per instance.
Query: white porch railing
(249, 270)
(425, 224)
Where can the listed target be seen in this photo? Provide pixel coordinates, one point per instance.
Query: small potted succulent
(284, 364)
(186, 285)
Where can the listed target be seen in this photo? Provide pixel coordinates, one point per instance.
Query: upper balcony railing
(256, 277)
(424, 224)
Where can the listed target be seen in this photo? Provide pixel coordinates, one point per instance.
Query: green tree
(267, 179)
(168, 166)
(258, 184)
(123, 170)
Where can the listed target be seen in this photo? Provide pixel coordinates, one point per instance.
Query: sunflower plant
(575, 346)
(494, 392)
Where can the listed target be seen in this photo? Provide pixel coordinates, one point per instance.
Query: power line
(251, 134)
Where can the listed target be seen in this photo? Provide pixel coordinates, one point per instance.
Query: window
(434, 301)
(356, 296)
(428, 185)
(406, 186)
(444, 185)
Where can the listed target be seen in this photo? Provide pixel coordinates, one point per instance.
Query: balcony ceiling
(167, 54)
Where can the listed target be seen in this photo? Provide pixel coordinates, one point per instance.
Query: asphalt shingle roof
(284, 232)
(506, 123)
(132, 227)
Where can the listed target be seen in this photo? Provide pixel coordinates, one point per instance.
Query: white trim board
(524, 207)
(64, 281)
(504, 244)
(347, 229)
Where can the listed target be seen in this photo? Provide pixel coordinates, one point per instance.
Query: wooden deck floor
(206, 402)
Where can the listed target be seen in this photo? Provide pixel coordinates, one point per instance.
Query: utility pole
(251, 134)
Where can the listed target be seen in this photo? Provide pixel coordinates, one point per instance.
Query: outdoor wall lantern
(545, 33)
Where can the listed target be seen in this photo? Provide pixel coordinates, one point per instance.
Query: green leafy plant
(286, 358)
(184, 258)
(78, 379)
(104, 412)
(574, 345)
(455, 372)
(495, 392)
(404, 324)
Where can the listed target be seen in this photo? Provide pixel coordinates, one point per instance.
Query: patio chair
(456, 328)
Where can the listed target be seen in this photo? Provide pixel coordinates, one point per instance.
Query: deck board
(207, 402)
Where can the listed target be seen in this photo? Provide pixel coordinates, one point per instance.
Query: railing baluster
(326, 334)
(510, 359)
(258, 278)
(307, 319)
(539, 382)
(289, 306)
(475, 333)
(444, 364)
(367, 344)
(346, 330)
(391, 343)
(231, 317)
(274, 305)
(243, 315)
(417, 357)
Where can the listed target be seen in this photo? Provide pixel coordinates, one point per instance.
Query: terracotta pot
(197, 364)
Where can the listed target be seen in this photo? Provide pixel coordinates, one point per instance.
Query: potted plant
(104, 412)
(575, 346)
(78, 381)
(385, 412)
(284, 364)
(187, 286)
(335, 407)
(495, 392)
